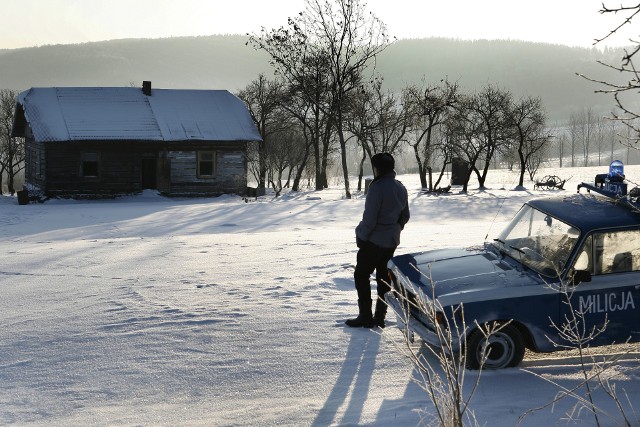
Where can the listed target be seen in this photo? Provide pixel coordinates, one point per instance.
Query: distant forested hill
(225, 62)
(217, 62)
(525, 68)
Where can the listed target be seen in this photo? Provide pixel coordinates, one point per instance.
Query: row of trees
(590, 138)
(12, 154)
(436, 122)
(326, 94)
(326, 98)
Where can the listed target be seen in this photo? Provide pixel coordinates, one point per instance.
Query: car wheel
(504, 348)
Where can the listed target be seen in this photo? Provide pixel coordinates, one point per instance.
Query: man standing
(386, 211)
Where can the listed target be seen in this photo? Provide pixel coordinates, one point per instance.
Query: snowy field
(216, 312)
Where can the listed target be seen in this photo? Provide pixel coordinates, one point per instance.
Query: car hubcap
(499, 351)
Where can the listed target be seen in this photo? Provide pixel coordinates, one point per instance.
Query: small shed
(108, 141)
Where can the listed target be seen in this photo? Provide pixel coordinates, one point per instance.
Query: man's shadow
(354, 379)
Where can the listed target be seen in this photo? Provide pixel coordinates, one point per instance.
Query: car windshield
(539, 241)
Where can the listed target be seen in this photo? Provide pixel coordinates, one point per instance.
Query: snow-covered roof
(126, 113)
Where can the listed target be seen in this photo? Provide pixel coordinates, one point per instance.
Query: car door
(606, 309)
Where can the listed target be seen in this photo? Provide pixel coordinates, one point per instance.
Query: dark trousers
(371, 257)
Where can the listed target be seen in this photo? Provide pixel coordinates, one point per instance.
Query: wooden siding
(120, 168)
(36, 165)
(230, 173)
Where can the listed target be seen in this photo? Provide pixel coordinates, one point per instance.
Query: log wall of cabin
(230, 173)
(35, 165)
(120, 164)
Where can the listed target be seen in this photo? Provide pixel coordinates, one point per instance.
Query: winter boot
(364, 319)
(381, 312)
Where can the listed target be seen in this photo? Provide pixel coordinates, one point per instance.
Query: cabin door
(148, 173)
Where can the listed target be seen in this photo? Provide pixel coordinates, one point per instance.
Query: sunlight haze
(30, 23)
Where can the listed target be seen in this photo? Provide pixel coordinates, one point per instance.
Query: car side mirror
(580, 276)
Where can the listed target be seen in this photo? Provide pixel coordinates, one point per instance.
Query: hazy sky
(39, 22)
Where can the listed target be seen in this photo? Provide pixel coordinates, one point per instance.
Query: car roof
(588, 211)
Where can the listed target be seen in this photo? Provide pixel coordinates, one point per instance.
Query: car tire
(505, 348)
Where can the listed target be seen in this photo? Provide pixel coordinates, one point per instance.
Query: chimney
(146, 87)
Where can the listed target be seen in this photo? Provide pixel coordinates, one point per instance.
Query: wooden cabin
(108, 141)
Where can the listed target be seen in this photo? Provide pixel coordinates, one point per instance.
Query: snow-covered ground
(221, 312)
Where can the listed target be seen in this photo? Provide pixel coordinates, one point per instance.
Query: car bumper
(408, 323)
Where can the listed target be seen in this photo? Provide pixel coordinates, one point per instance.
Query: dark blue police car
(560, 259)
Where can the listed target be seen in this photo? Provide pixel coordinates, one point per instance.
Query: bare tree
(281, 156)
(461, 130)
(341, 32)
(263, 98)
(378, 120)
(479, 127)
(362, 122)
(442, 366)
(535, 161)
(391, 122)
(587, 123)
(428, 106)
(527, 119)
(624, 91)
(599, 136)
(561, 142)
(612, 132)
(574, 135)
(306, 102)
(298, 156)
(490, 107)
(442, 152)
(12, 150)
(309, 146)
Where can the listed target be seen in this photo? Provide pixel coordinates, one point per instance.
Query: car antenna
(498, 211)
(494, 218)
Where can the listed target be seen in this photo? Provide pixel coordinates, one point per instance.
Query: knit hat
(384, 162)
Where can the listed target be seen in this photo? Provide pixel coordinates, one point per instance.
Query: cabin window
(90, 165)
(206, 164)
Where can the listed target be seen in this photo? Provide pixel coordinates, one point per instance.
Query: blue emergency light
(609, 184)
(616, 171)
(613, 183)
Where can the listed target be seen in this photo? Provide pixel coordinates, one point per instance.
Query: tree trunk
(466, 180)
(11, 169)
(422, 172)
(322, 181)
(262, 167)
(301, 167)
(523, 167)
(10, 187)
(345, 166)
(1, 182)
(288, 183)
(361, 172)
(440, 175)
